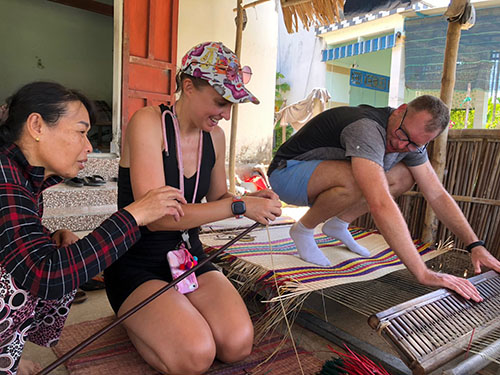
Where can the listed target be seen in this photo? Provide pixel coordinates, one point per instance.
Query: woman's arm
(31, 256)
(50, 270)
(144, 139)
(144, 142)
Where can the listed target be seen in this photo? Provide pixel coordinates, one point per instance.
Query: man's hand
(482, 257)
(461, 286)
(64, 237)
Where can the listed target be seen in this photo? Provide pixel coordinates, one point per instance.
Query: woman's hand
(64, 237)
(156, 204)
(266, 193)
(262, 210)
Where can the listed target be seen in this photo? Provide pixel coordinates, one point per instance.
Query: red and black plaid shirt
(27, 250)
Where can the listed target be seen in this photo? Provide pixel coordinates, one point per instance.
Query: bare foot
(27, 367)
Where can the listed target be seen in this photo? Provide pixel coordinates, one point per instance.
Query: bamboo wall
(472, 177)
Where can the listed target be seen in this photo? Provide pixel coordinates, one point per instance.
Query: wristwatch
(238, 207)
(472, 245)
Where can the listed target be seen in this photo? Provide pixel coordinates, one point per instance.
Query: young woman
(43, 139)
(183, 146)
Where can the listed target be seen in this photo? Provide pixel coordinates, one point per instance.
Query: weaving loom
(262, 261)
(431, 330)
(267, 261)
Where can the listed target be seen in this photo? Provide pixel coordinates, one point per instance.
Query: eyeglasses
(231, 70)
(404, 137)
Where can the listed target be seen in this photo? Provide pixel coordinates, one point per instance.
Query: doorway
(66, 41)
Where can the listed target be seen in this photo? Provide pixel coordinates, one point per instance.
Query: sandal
(95, 283)
(94, 180)
(80, 297)
(75, 182)
(99, 179)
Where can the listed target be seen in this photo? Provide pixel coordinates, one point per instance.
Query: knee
(195, 360)
(237, 346)
(401, 181)
(350, 191)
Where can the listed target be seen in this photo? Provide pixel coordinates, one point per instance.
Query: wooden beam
(234, 119)
(460, 198)
(90, 5)
(291, 3)
(439, 148)
(252, 4)
(492, 134)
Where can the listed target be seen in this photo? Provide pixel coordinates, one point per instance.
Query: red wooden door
(149, 54)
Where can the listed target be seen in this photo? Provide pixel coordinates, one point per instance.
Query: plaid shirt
(27, 251)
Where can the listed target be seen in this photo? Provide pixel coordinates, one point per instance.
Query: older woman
(43, 139)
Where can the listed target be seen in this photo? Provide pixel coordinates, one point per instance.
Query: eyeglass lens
(403, 137)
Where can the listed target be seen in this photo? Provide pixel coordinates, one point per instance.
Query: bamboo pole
(234, 117)
(252, 4)
(291, 3)
(439, 149)
(460, 198)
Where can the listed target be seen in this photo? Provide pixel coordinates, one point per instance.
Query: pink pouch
(180, 261)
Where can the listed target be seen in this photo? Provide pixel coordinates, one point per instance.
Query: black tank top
(156, 240)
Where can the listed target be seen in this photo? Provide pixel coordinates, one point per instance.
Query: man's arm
(451, 215)
(371, 179)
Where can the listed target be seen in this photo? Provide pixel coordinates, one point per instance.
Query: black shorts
(140, 265)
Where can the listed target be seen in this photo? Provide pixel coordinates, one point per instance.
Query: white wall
(213, 20)
(299, 60)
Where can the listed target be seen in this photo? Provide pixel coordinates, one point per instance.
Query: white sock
(338, 229)
(306, 246)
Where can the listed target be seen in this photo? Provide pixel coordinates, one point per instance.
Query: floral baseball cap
(214, 62)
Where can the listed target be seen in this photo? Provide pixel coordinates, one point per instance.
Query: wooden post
(234, 116)
(439, 148)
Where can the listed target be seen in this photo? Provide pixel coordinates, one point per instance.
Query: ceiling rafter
(90, 5)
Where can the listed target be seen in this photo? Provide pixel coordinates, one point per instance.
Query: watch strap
(472, 245)
(237, 198)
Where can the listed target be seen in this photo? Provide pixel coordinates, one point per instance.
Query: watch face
(238, 208)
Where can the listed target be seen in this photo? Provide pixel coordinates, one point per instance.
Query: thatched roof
(326, 12)
(310, 13)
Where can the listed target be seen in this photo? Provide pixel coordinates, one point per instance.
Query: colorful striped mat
(113, 353)
(279, 258)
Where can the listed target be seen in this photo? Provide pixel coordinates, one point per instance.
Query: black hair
(48, 99)
(436, 108)
(198, 83)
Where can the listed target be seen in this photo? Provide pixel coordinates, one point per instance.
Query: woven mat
(255, 255)
(113, 353)
(289, 215)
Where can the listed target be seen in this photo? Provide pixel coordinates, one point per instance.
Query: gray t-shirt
(342, 133)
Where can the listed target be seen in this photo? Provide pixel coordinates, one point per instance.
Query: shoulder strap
(164, 111)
